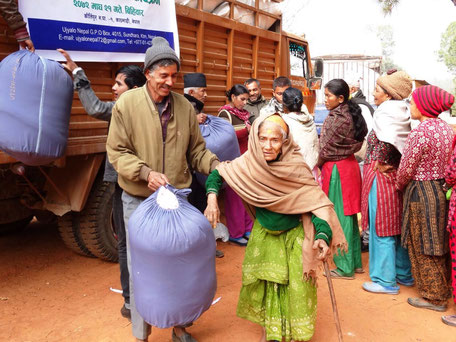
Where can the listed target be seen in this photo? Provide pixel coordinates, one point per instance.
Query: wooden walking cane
(333, 300)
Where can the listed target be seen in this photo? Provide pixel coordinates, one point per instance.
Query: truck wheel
(97, 228)
(69, 225)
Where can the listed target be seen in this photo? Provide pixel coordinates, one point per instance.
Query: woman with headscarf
(295, 223)
(381, 205)
(450, 180)
(302, 126)
(341, 136)
(238, 220)
(421, 174)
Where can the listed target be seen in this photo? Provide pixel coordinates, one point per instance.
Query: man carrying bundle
(153, 140)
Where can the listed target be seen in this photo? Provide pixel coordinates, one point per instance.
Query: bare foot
(263, 336)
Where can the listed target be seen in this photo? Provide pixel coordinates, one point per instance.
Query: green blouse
(275, 223)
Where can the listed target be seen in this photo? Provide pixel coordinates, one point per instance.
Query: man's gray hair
(162, 63)
(187, 90)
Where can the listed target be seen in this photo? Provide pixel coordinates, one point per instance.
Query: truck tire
(97, 228)
(69, 229)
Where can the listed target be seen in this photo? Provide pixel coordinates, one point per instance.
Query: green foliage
(447, 52)
(388, 5)
(386, 36)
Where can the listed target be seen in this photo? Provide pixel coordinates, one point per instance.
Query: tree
(385, 34)
(388, 5)
(447, 52)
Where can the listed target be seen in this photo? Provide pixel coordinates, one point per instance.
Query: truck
(229, 41)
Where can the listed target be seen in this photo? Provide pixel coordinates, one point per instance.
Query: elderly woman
(422, 174)
(294, 225)
(341, 136)
(381, 205)
(237, 219)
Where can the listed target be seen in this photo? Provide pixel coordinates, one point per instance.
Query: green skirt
(273, 293)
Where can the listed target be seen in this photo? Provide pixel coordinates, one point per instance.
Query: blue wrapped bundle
(35, 106)
(172, 250)
(220, 139)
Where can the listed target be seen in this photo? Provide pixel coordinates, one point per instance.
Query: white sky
(349, 27)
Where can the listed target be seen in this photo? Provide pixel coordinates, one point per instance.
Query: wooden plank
(209, 18)
(229, 82)
(88, 124)
(255, 49)
(200, 46)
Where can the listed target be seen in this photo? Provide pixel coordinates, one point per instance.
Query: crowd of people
(293, 198)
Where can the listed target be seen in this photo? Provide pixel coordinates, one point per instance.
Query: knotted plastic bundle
(35, 105)
(172, 249)
(220, 139)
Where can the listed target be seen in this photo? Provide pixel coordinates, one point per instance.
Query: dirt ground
(48, 293)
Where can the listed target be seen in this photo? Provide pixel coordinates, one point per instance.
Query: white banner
(99, 30)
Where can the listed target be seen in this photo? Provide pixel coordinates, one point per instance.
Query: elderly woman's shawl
(392, 123)
(304, 132)
(284, 186)
(337, 138)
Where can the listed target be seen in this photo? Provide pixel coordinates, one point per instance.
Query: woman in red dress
(235, 113)
(381, 203)
(238, 221)
(421, 175)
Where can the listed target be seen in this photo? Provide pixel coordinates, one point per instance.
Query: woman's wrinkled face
(271, 140)
(380, 95)
(240, 100)
(331, 100)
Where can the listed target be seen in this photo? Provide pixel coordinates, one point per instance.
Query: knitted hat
(194, 80)
(432, 100)
(159, 50)
(398, 85)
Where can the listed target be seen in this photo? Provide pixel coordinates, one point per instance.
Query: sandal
(423, 304)
(373, 287)
(359, 270)
(449, 320)
(186, 337)
(239, 241)
(336, 275)
(409, 282)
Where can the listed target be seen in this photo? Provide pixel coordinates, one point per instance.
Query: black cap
(194, 80)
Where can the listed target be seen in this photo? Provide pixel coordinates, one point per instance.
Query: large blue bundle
(220, 139)
(172, 249)
(35, 106)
